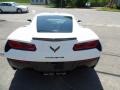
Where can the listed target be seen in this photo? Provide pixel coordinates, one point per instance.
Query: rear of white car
(53, 43)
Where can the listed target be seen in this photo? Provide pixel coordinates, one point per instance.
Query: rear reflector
(85, 45)
(21, 45)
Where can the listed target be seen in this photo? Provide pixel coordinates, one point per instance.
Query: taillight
(21, 45)
(86, 45)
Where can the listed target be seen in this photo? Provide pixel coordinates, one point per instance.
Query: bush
(98, 3)
(80, 3)
(76, 3)
(18, 1)
(58, 3)
(68, 3)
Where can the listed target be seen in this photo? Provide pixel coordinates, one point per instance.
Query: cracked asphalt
(105, 76)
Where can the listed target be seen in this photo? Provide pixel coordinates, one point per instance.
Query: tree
(80, 3)
(69, 3)
(112, 3)
(46, 2)
(58, 3)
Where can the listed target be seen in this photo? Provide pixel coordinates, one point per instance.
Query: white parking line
(106, 25)
(33, 11)
(113, 25)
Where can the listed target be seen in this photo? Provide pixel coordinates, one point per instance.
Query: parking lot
(106, 75)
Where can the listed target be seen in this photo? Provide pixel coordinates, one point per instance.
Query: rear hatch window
(54, 24)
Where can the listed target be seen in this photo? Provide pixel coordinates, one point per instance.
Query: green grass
(18, 1)
(108, 9)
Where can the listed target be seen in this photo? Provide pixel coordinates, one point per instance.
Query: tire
(14, 68)
(19, 10)
(94, 65)
(1, 11)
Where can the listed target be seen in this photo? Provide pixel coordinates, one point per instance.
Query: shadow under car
(80, 79)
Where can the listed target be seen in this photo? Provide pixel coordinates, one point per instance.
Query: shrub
(18, 1)
(98, 3)
(68, 3)
(58, 3)
(80, 3)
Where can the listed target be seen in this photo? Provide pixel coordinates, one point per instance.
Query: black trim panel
(53, 66)
(54, 39)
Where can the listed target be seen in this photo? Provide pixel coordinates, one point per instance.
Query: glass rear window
(54, 24)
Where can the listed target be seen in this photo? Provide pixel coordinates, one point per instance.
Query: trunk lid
(54, 46)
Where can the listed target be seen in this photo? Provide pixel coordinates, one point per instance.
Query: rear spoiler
(54, 39)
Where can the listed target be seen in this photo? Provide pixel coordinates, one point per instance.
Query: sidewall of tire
(19, 11)
(1, 11)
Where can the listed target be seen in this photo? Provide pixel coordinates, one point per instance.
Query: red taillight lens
(21, 45)
(85, 45)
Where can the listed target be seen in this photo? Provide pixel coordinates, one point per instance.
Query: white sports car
(12, 7)
(53, 42)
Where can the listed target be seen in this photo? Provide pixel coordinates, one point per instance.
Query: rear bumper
(52, 66)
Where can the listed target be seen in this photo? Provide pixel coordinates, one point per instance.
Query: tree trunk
(112, 3)
(46, 2)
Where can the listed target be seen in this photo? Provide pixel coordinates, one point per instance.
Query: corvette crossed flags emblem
(54, 49)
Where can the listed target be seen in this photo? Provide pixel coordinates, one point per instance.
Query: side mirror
(79, 21)
(29, 20)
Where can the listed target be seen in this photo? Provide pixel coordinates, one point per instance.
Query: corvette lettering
(54, 57)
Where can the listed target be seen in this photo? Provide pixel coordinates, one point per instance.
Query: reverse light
(20, 45)
(86, 45)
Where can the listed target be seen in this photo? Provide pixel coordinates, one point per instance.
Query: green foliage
(80, 3)
(58, 3)
(98, 2)
(18, 1)
(109, 9)
(69, 3)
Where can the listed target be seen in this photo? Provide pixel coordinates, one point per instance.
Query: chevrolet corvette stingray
(53, 42)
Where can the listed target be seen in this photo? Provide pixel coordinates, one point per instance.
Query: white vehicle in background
(12, 7)
(53, 42)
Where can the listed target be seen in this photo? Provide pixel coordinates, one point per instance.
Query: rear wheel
(1, 11)
(10, 63)
(19, 10)
(14, 68)
(89, 64)
(93, 64)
